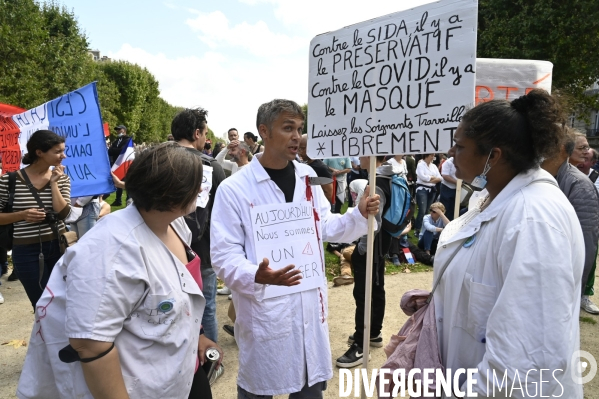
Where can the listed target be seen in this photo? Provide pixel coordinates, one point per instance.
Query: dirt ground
(16, 320)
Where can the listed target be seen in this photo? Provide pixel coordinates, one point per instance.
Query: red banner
(10, 151)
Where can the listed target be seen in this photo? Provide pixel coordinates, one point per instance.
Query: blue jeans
(424, 199)
(83, 225)
(426, 241)
(209, 322)
(447, 198)
(26, 263)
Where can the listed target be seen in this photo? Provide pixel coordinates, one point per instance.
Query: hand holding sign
(286, 276)
(369, 205)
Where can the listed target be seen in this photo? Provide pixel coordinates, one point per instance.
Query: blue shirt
(339, 164)
(429, 224)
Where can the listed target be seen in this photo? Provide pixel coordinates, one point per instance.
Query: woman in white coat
(120, 316)
(508, 302)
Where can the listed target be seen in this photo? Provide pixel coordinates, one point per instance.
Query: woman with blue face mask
(508, 301)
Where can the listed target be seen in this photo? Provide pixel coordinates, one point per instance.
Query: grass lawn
(332, 261)
(111, 198)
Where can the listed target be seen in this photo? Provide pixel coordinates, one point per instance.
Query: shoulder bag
(65, 239)
(416, 344)
(7, 230)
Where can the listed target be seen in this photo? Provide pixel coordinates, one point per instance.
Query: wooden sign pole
(458, 199)
(369, 261)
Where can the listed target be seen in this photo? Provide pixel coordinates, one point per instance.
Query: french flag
(122, 163)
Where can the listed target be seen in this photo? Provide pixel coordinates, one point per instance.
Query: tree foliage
(305, 110)
(565, 33)
(44, 54)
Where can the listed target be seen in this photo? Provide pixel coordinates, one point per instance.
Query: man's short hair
(569, 141)
(269, 112)
(243, 146)
(186, 122)
(232, 129)
(165, 177)
(594, 154)
(577, 134)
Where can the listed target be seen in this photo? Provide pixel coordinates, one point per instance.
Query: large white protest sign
(498, 79)
(285, 234)
(396, 84)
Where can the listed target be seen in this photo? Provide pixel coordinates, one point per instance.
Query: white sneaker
(224, 291)
(1, 298)
(230, 297)
(588, 306)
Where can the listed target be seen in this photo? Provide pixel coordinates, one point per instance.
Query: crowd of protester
(143, 318)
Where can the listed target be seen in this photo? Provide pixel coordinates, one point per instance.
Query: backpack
(401, 208)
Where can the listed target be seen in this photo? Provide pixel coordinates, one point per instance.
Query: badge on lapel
(470, 241)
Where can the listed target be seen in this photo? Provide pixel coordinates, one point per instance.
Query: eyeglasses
(583, 148)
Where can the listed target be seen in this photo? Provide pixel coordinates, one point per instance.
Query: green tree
(43, 52)
(108, 94)
(565, 33)
(137, 90)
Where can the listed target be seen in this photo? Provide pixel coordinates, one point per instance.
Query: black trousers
(200, 387)
(377, 312)
(3, 256)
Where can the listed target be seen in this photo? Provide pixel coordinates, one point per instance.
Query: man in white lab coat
(283, 341)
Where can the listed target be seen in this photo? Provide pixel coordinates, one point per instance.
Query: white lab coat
(511, 300)
(425, 173)
(108, 287)
(278, 338)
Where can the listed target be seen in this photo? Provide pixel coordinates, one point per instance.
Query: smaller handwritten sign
(204, 194)
(285, 234)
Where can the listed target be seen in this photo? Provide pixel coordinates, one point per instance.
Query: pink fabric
(196, 272)
(416, 344)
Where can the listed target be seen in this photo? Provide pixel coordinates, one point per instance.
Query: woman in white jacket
(120, 316)
(508, 302)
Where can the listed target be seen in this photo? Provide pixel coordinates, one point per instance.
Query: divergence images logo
(583, 362)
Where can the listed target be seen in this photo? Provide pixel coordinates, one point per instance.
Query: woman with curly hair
(510, 269)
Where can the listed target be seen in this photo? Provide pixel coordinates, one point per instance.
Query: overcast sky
(228, 56)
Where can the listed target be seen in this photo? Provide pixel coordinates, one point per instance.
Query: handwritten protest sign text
(393, 85)
(286, 235)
